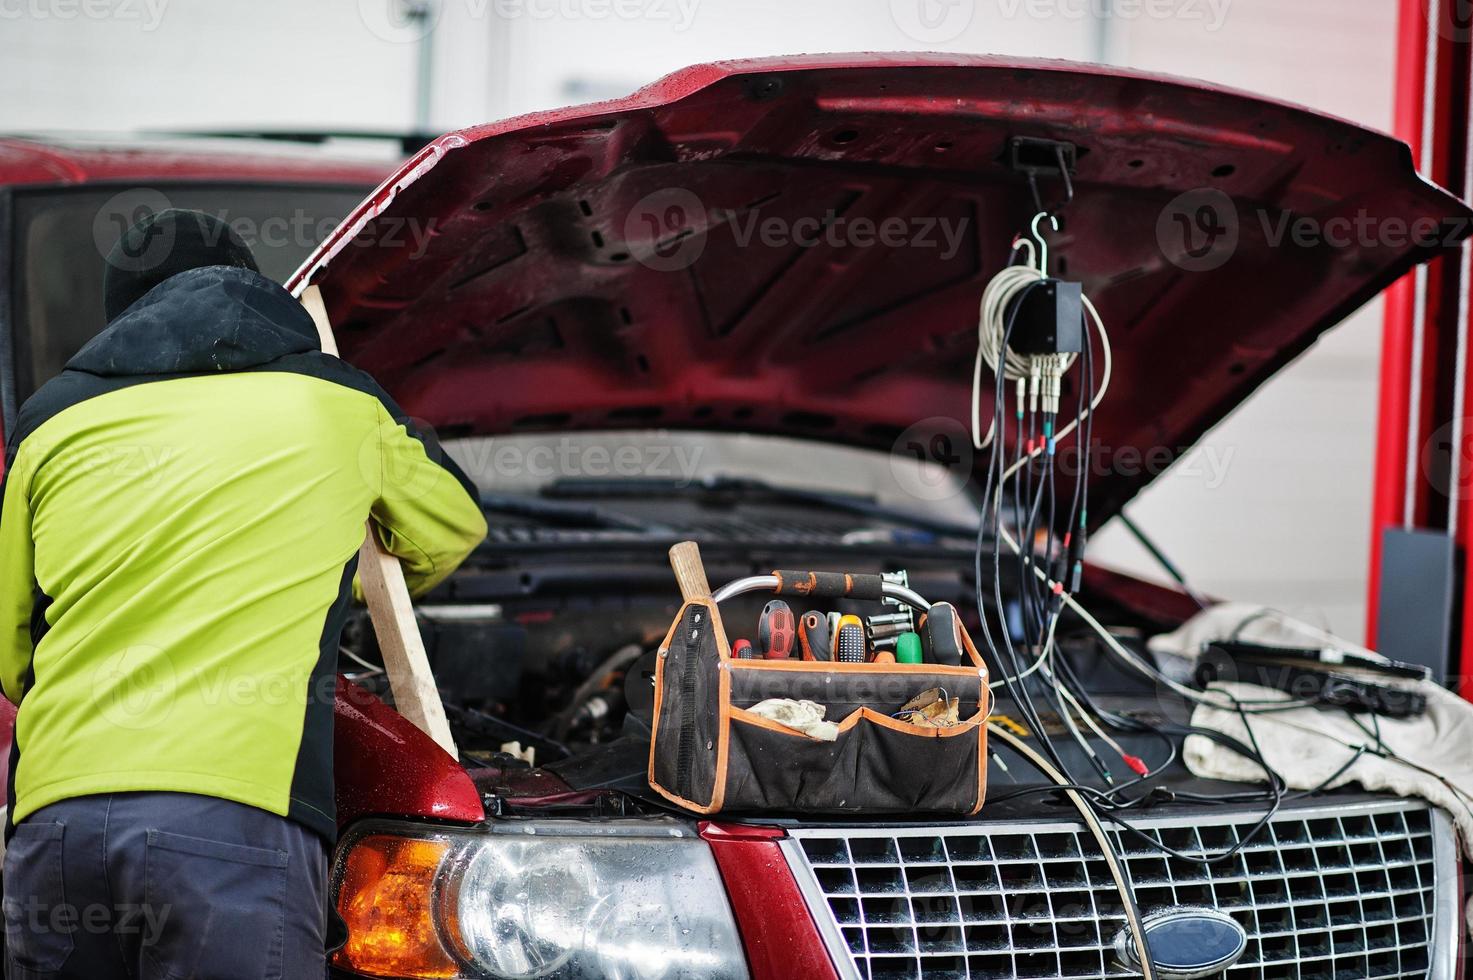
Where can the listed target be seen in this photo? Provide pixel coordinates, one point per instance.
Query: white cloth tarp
(1306, 746)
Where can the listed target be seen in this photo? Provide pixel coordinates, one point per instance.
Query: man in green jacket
(179, 529)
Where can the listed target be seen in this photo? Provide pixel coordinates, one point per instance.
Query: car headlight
(625, 900)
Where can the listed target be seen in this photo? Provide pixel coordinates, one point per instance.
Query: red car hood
(710, 253)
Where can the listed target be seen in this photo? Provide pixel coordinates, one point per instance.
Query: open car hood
(642, 262)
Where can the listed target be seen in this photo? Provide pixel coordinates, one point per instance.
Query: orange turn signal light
(385, 896)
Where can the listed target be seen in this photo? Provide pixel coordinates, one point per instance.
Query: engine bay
(543, 643)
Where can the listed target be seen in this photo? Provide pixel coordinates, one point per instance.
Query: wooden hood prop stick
(389, 606)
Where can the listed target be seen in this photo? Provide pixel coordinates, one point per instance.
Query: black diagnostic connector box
(1049, 319)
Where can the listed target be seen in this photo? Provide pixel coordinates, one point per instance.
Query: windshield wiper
(563, 514)
(730, 489)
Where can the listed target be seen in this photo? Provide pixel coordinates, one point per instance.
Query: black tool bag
(710, 754)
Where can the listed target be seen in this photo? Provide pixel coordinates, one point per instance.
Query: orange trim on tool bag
(746, 717)
(867, 668)
(863, 714)
(972, 650)
(719, 789)
(729, 713)
(723, 735)
(981, 765)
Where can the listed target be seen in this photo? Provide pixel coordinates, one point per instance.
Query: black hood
(161, 246)
(213, 319)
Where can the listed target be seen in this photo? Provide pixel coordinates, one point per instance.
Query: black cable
(1160, 557)
(1016, 684)
(1277, 785)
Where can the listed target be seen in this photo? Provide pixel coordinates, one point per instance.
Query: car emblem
(1185, 943)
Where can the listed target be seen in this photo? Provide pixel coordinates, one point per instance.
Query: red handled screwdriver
(777, 631)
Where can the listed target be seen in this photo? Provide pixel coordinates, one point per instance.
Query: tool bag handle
(825, 585)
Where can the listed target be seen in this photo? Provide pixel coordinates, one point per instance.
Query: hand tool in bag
(777, 630)
(814, 637)
(690, 575)
(885, 629)
(941, 635)
(742, 650)
(903, 612)
(908, 649)
(850, 641)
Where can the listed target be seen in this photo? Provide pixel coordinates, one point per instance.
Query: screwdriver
(850, 641)
(814, 638)
(742, 650)
(776, 630)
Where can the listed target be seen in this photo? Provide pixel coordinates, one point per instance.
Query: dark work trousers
(163, 886)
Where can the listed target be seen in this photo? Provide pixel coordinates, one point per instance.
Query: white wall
(1288, 525)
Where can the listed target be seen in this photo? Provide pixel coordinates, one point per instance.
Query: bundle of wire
(1022, 491)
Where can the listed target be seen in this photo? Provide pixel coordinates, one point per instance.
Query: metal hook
(1038, 236)
(1021, 243)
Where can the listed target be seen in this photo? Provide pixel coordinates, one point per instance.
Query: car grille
(1332, 893)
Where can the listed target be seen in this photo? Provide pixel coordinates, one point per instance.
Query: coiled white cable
(1038, 372)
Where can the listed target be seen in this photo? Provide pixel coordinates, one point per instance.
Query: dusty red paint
(778, 933)
(387, 767)
(534, 308)
(1167, 606)
(30, 162)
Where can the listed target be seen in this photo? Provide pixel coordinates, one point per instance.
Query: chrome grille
(1322, 893)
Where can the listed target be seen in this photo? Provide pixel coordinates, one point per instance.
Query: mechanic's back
(181, 518)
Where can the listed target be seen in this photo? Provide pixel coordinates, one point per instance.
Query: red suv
(740, 306)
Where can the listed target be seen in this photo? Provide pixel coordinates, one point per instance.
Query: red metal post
(1390, 489)
(1421, 378)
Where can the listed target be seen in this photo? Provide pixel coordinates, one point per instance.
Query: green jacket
(179, 527)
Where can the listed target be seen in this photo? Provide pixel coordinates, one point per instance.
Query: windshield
(526, 463)
(63, 235)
